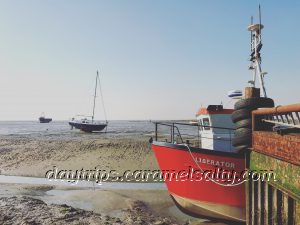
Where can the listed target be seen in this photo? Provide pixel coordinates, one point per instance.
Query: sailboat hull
(88, 127)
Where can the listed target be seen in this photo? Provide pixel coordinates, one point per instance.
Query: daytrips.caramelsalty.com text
(191, 174)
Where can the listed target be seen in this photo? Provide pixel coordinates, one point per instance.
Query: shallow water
(62, 130)
(72, 197)
(67, 197)
(82, 184)
(54, 197)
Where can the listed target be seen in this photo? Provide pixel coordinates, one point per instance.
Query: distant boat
(43, 119)
(90, 125)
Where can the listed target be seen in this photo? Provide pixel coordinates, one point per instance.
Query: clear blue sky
(157, 59)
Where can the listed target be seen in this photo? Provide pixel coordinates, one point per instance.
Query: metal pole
(198, 136)
(173, 133)
(155, 131)
(95, 96)
(261, 80)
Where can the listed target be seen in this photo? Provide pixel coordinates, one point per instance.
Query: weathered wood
(291, 211)
(249, 199)
(270, 205)
(258, 183)
(279, 208)
(251, 92)
(285, 208)
(266, 205)
(274, 207)
(256, 200)
(262, 202)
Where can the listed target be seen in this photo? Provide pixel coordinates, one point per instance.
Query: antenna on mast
(255, 59)
(259, 15)
(251, 34)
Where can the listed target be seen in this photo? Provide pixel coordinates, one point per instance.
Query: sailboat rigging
(91, 125)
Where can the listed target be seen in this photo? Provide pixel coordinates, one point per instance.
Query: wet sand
(24, 156)
(44, 204)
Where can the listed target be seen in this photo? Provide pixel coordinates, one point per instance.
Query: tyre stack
(242, 118)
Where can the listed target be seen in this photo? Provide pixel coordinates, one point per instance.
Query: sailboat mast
(95, 96)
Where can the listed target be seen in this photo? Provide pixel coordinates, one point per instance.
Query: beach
(149, 113)
(32, 154)
(25, 156)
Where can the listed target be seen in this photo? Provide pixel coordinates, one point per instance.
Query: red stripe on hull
(176, 159)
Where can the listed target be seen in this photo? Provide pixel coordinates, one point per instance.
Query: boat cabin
(213, 122)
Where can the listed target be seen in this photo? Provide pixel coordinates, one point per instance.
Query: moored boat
(43, 119)
(207, 163)
(207, 177)
(203, 197)
(91, 125)
(87, 125)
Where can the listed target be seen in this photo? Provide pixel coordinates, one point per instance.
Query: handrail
(278, 110)
(195, 125)
(173, 127)
(172, 132)
(282, 117)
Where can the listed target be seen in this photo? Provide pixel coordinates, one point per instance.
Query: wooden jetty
(275, 202)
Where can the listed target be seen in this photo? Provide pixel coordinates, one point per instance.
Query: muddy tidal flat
(32, 154)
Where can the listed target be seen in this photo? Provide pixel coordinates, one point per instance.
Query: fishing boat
(43, 119)
(218, 146)
(211, 152)
(90, 125)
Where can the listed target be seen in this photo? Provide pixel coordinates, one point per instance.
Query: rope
(102, 100)
(216, 182)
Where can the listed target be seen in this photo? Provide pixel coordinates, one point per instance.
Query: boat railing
(186, 133)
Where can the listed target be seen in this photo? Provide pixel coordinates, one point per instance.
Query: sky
(158, 59)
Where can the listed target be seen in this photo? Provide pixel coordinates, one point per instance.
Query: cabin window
(200, 123)
(206, 123)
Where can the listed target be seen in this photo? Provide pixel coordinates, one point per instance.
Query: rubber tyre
(246, 123)
(237, 141)
(241, 114)
(242, 132)
(254, 103)
(242, 136)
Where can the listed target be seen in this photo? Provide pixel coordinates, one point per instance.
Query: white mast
(95, 95)
(256, 45)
